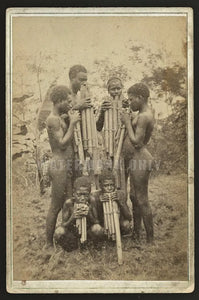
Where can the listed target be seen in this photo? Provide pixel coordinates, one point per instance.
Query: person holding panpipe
(78, 77)
(116, 215)
(81, 101)
(60, 126)
(138, 133)
(90, 137)
(112, 211)
(114, 86)
(109, 120)
(79, 218)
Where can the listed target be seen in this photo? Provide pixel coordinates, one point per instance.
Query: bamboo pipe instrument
(83, 93)
(84, 231)
(114, 122)
(119, 108)
(105, 217)
(79, 226)
(108, 218)
(94, 143)
(117, 179)
(78, 141)
(110, 122)
(84, 131)
(119, 148)
(106, 130)
(111, 217)
(118, 233)
(88, 119)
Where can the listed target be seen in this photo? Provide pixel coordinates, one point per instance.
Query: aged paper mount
(98, 286)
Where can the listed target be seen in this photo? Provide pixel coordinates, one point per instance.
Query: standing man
(114, 87)
(60, 126)
(78, 77)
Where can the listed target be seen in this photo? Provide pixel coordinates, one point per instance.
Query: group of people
(70, 186)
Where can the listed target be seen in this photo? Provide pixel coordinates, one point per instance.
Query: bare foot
(48, 251)
(136, 237)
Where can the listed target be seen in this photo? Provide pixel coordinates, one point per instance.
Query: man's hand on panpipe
(81, 210)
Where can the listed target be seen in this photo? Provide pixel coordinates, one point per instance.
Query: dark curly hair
(59, 92)
(114, 78)
(74, 70)
(106, 175)
(83, 181)
(139, 89)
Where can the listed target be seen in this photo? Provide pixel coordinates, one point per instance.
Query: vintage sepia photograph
(99, 146)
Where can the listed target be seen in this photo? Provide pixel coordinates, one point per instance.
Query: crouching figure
(79, 217)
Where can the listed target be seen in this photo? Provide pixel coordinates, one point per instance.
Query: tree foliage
(169, 79)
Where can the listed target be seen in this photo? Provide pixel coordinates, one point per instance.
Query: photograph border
(99, 286)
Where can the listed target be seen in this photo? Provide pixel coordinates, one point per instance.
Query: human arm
(137, 137)
(68, 213)
(100, 121)
(82, 104)
(55, 130)
(93, 210)
(119, 197)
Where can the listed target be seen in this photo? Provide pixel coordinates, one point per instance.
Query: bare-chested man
(138, 159)
(114, 86)
(78, 77)
(60, 126)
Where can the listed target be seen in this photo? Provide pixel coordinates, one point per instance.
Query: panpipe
(78, 143)
(119, 147)
(111, 126)
(81, 224)
(111, 221)
(89, 132)
(114, 133)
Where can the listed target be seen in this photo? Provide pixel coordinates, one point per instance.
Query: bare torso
(58, 131)
(129, 149)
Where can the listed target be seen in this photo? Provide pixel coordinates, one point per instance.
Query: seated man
(67, 234)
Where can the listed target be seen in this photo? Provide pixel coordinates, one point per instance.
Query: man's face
(115, 88)
(79, 80)
(108, 186)
(82, 195)
(134, 101)
(64, 105)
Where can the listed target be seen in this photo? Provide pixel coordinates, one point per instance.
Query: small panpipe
(111, 220)
(81, 224)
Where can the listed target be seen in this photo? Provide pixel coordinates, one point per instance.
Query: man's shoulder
(120, 194)
(69, 202)
(146, 116)
(53, 121)
(95, 195)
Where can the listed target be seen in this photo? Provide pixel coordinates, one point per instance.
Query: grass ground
(165, 260)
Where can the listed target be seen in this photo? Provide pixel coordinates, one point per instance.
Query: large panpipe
(86, 138)
(111, 221)
(112, 126)
(114, 133)
(89, 131)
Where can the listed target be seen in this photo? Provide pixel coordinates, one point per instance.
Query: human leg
(67, 239)
(142, 208)
(57, 199)
(136, 211)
